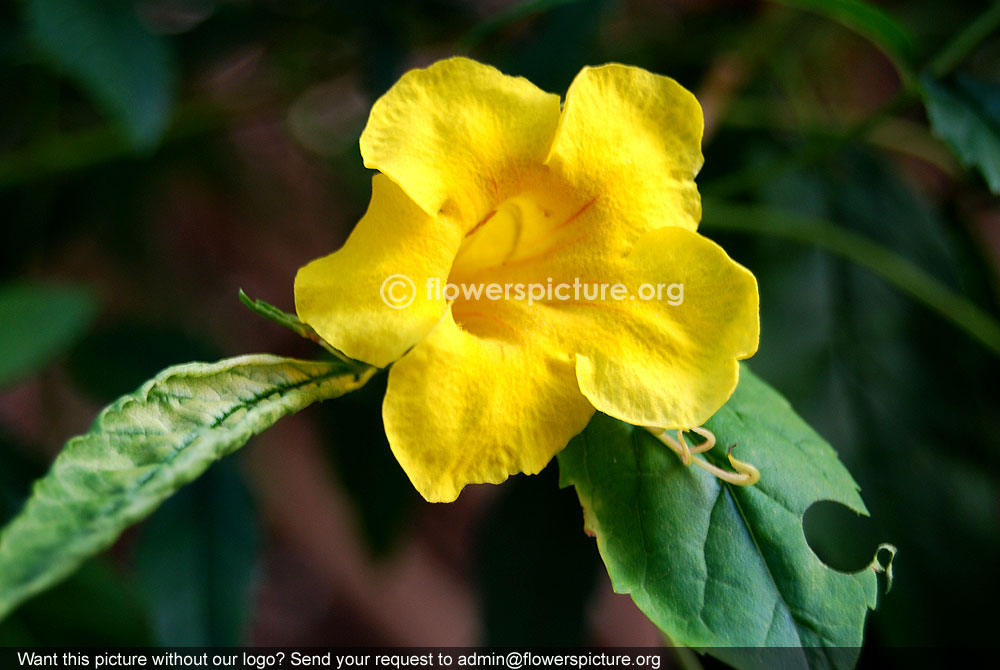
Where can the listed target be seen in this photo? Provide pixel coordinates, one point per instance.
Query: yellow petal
(646, 362)
(653, 363)
(458, 135)
(461, 409)
(392, 252)
(633, 140)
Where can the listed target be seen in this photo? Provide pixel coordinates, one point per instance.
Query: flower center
(511, 248)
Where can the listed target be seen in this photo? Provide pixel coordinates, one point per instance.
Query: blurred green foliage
(383, 499)
(125, 68)
(39, 323)
(163, 153)
(964, 112)
(535, 570)
(195, 562)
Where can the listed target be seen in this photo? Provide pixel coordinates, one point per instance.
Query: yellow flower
(484, 178)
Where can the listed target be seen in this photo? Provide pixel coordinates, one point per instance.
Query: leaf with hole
(718, 566)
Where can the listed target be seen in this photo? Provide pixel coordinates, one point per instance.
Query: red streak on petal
(481, 223)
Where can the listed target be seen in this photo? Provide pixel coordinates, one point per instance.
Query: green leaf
(65, 615)
(143, 448)
(965, 113)
(37, 323)
(880, 28)
(125, 69)
(715, 565)
(196, 558)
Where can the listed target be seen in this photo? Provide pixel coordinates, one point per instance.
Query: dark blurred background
(158, 155)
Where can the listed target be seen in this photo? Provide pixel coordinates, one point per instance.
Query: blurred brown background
(233, 160)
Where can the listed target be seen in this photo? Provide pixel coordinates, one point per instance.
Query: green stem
(965, 42)
(901, 273)
(686, 658)
(291, 322)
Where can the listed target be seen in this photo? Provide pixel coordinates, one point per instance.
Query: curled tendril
(745, 475)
